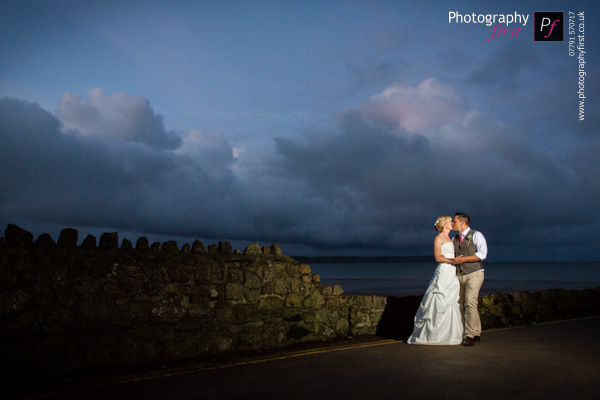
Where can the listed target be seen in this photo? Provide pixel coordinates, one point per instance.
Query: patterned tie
(462, 237)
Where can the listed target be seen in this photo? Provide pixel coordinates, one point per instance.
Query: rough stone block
(276, 249)
(86, 287)
(198, 247)
(486, 301)
(331, 303)
(13, 301)
(201, 310)
(142, 244)
(342, 327)
(170, 247)
(359, 319)
(156, 247)
(315, 300)
(126, 244)
(109, 240)
(268, 274)
(235, 274)
(78, 268)
(68, 238)
(268, 288)
(295, 284)
(222, 343)
(209, 273)
(180, 274)
(17, 236)
(213, 249)
(45, 241)
(337, 290)
(293, 300)
(305, 269)
(279, 267)
(245, 312)
(522, 297)
(225, 248)
(252, 296)
(170, 309)
(252, 280)
(253, 249)
(154, 283)
(270, 304)
(100, 268)
(379, 302)
(280, 288)
(375, 317)
(224, 312)
(234, 291)
(89, 242)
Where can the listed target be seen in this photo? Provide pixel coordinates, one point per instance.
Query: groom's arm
(464, 259)
(480, 245)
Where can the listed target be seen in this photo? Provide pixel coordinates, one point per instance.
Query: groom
(470, 248)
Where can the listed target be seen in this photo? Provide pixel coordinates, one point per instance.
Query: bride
(438, 319)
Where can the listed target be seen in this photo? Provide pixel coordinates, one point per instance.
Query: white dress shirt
(480, 244)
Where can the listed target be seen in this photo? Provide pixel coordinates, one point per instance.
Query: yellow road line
(188, 370)
(212, 367)
(257, 361)
(200, 368)
(508, 328)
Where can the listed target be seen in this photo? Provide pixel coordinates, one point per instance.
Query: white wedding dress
(438, 320)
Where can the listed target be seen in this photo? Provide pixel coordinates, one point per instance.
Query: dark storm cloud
(376, 182)
(53, 176)
(391, 182)
(67, 178)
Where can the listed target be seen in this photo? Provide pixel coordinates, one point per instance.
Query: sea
(412, 278)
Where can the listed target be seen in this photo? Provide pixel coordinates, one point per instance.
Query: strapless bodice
(448, 250)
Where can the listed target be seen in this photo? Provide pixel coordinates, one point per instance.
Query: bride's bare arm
(437, 251)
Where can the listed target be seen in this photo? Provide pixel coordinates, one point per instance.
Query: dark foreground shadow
(398, 317)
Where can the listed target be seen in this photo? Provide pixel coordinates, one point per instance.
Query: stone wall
(66, 307)
(499, 309)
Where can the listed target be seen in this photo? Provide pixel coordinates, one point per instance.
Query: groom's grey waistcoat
(467, 248)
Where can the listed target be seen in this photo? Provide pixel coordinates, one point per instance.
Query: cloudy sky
(330, 127)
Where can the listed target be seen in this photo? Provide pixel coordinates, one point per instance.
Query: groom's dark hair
(463, 217)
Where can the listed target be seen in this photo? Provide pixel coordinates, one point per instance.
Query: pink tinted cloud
(415, 109)
(118, 116)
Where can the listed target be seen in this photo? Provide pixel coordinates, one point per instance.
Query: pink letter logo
(548, 26)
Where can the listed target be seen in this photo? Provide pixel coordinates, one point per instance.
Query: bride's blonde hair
(441, 221)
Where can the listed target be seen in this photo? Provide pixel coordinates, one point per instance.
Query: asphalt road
(558, 360)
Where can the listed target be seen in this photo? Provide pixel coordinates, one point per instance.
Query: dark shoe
(477, 338)
(468, 341)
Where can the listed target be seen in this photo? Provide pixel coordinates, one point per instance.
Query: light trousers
(469, 296)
